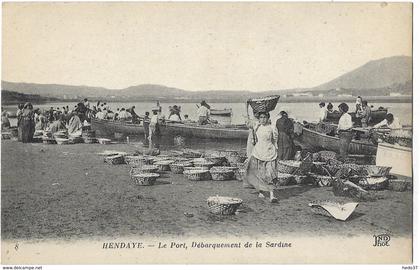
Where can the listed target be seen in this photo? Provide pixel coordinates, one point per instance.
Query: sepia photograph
(206, 133)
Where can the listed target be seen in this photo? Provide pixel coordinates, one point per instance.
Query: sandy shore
(67, 192)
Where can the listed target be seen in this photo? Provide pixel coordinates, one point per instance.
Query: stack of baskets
(178, 167)
(144, 169)
(204, 164)
(222, 173)
(197, 174)
(223, 205)
(164, 165)
(137, 161)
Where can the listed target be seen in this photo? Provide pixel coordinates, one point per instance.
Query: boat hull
(397, 157)
(172, 130)
(318, 140)
(225, 112)
(376, 116)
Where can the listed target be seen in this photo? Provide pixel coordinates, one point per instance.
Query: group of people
(267, 143)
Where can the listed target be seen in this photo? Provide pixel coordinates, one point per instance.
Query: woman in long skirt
(261, 170)
(27, 123)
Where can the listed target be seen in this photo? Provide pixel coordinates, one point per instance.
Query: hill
(11, 97)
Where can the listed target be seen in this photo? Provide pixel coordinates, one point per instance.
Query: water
(308, 111)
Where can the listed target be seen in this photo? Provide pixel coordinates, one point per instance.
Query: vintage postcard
(206, 133)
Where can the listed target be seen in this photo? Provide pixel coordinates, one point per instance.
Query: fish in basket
(284, 179)
(339, 211)
(178, 167)
(221, 174)
(164, 165)
(114, 160)
(373, 170)
(264, 104)
(104, 141)
(374, 183)
(62, 141)
(223, 205)
(398, 185)
(144, 179)
(144, 169)
(197, 175)
(137, 161)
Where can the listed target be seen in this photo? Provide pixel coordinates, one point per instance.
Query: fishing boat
(395, 156)
(222, 112)
(318, 140)
(376, 116)
(216, 132)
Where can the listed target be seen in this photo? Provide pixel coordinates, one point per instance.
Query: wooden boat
(319, 140)
(376, 116)
(223, 112)
(395, 156)
(173, 129)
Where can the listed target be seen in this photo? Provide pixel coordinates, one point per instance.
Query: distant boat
(222, 112)
(319, 140)
(376, 116)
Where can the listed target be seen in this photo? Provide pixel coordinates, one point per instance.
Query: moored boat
(216, 132)
(222, 112)
(376, 116)
(319, 140)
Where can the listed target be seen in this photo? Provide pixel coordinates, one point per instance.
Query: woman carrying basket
(261, 170)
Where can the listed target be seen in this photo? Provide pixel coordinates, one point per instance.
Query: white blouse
(265, 148)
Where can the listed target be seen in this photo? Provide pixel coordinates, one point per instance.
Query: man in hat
(323, 112)
(285, 144)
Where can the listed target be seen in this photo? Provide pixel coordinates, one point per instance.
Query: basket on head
(144, 179)
(197, 175)
(137, 161)
(284, 179)
(221, 174)
(265, 104)
(398, 185)
(104, 141)
(373, 183)
(288, 166)
(178, 167)
(223, 205)
(144, 169)
(114, 159)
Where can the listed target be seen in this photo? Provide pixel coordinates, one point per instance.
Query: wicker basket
(114, 160)
(178, 167)
(398, 185)
(373, 183)
(222, 174)
(373, 170)
(322, 180)
(223, 205)
(197, 175)
(144, 169)
(265, 104)
(144, 179)
(235, 159)
(288, 166)
(284, 179)
(217, 161)
(104, 141)
(205, 164)
(137, 161)
(164, 165)
(62, 141)
(333, 209)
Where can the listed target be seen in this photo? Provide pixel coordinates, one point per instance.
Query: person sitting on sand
(261, 172)
(389, 122)
(42, 122)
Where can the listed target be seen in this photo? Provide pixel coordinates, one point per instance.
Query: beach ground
(68, 192)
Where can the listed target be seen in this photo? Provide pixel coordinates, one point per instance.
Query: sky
(198, 46)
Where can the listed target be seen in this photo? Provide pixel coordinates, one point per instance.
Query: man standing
(285, 144)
